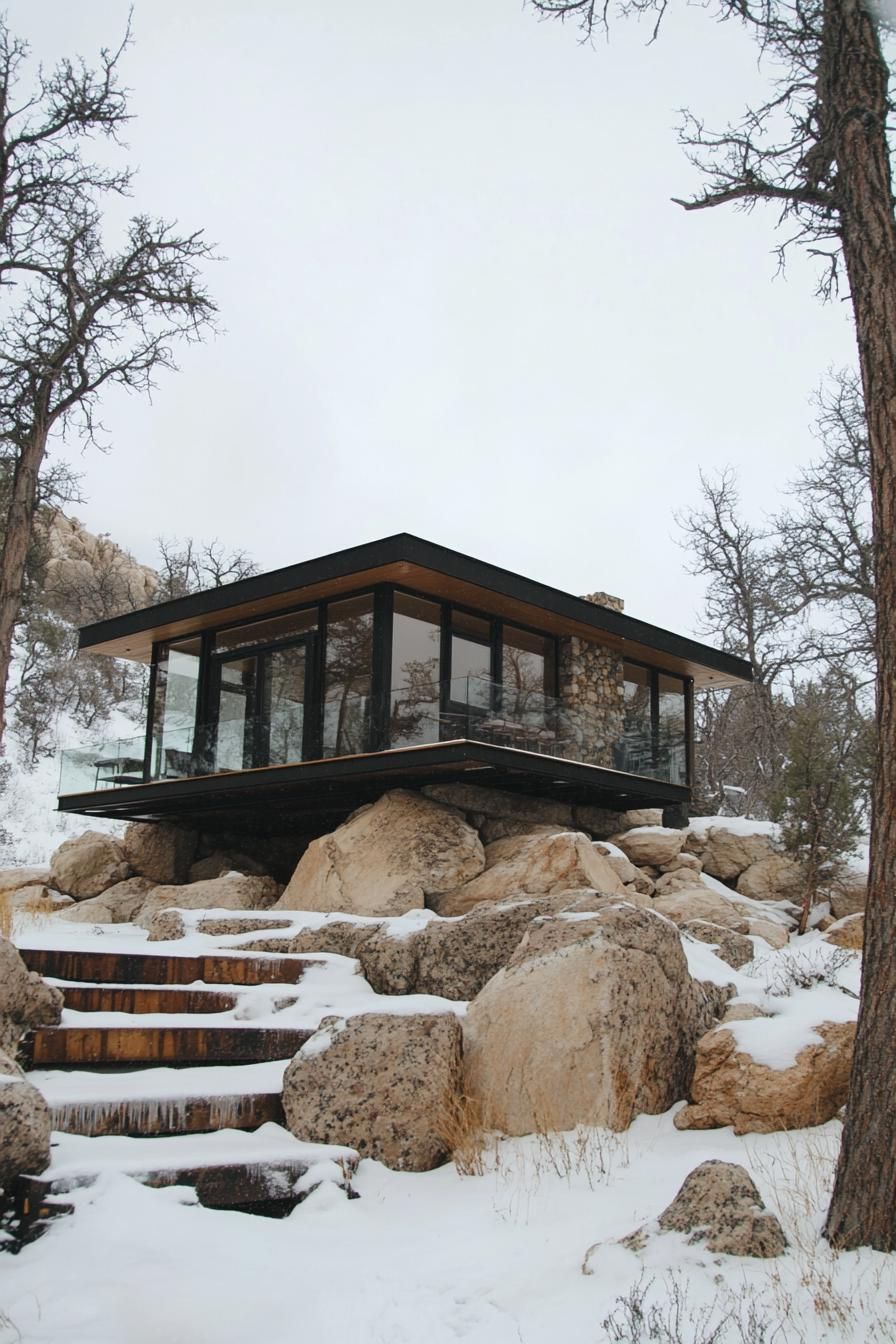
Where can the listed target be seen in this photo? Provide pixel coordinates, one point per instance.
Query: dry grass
(460, 1124)
(6, 914)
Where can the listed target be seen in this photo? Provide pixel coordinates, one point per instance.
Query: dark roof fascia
(414, 550)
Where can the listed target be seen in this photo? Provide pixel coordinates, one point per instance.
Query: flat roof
(425, 567)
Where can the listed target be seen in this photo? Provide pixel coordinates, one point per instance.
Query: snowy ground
(492, 1259)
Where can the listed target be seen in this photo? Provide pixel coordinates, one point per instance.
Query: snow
(736, 825)
(437, 1257)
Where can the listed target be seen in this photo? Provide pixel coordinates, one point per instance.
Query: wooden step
(134, 968)
(148, 1117)
(146, 999)
(99, 1046)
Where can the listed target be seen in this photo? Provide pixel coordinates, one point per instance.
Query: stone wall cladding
(590, 686)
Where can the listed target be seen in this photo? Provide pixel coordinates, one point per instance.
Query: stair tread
(154, 1045)
(219, 968)
(141, 1117)
(74, 1155)
(60, 1086)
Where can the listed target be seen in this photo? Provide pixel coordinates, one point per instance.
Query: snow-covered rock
(25, 1001)
(650, 845)
(232, 892)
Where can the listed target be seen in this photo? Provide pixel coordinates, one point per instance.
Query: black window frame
(656, 671)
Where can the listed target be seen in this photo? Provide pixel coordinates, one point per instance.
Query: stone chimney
(604, 600)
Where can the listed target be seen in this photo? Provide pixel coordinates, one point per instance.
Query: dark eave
(429, 568)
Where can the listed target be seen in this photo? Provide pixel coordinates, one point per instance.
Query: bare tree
(78, 316)
(189, 566)
(817, 150)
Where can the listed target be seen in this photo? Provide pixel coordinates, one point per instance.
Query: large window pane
(471, 661)
(266, 632)
(285, 697)
(416, 638)
(347, 678)
(174, 708)
(635, 751)
(672, 754)
(236, 711)
(526, 674)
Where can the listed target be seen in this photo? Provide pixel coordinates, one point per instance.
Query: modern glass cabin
(289, 698)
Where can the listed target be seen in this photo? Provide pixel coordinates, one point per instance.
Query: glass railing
(471, 708)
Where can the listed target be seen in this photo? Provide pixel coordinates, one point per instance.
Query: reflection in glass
(525, 668)
(635, 751)
(471, 661)
(174, 708)
(236, 707)
(416, 635)
(347, 677)
(270, 631)
(285, 697)
(672, 755)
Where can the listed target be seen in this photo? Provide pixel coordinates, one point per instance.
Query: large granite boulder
(726, 853)
(731, 1088)
(233, 892)
(593, 1021)
(378, 1083)
(532, 865)
(218, 863)
(698, 902)
(388, 858)
(718, 1207)
(116, 905)
(25, 1001)
(650, 846)
(848, 894)
(734, 948)
(24, 1125)
(776, 878)
(13, 879)
(848, 933)
(87, 865)
(159, 851)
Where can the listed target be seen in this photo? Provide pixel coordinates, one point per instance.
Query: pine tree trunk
(863, 1206)
(14, 552)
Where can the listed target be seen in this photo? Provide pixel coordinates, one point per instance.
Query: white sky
(457, 300)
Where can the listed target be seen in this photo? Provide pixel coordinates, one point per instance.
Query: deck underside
(314, 795)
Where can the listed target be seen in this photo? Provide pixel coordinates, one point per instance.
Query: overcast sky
(457, 299)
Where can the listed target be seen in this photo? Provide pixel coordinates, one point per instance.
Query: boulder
(380, 1084)
(387, 859)
(25, 1001)
(726, 854)
(733, 948)
(593, 1021)
(731, 1088)
(87, 865)
(24, 1125)
(682, 861)
(719, 1207)
(775, 878)
(652, 845)
(160, 851)
(699, 903)
(117, 905)
(640, 816)
(776, 935)
(38, 899)
(233, 892)
(496, 804)
(848, 933)
(217, 864)
(624, 869)
(532, 865)
(679, 879)
(13, 879)
(848, 894)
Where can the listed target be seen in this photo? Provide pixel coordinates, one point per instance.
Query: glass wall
(635, 751)
(235, 746)
(471, 661)
(270, 631)
(284, 695)
(415, 691)
(174, 708)
(526, 674)
(671, 736)
(348, 676)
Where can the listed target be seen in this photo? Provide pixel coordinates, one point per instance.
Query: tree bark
(14, 552)
(855, 87)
